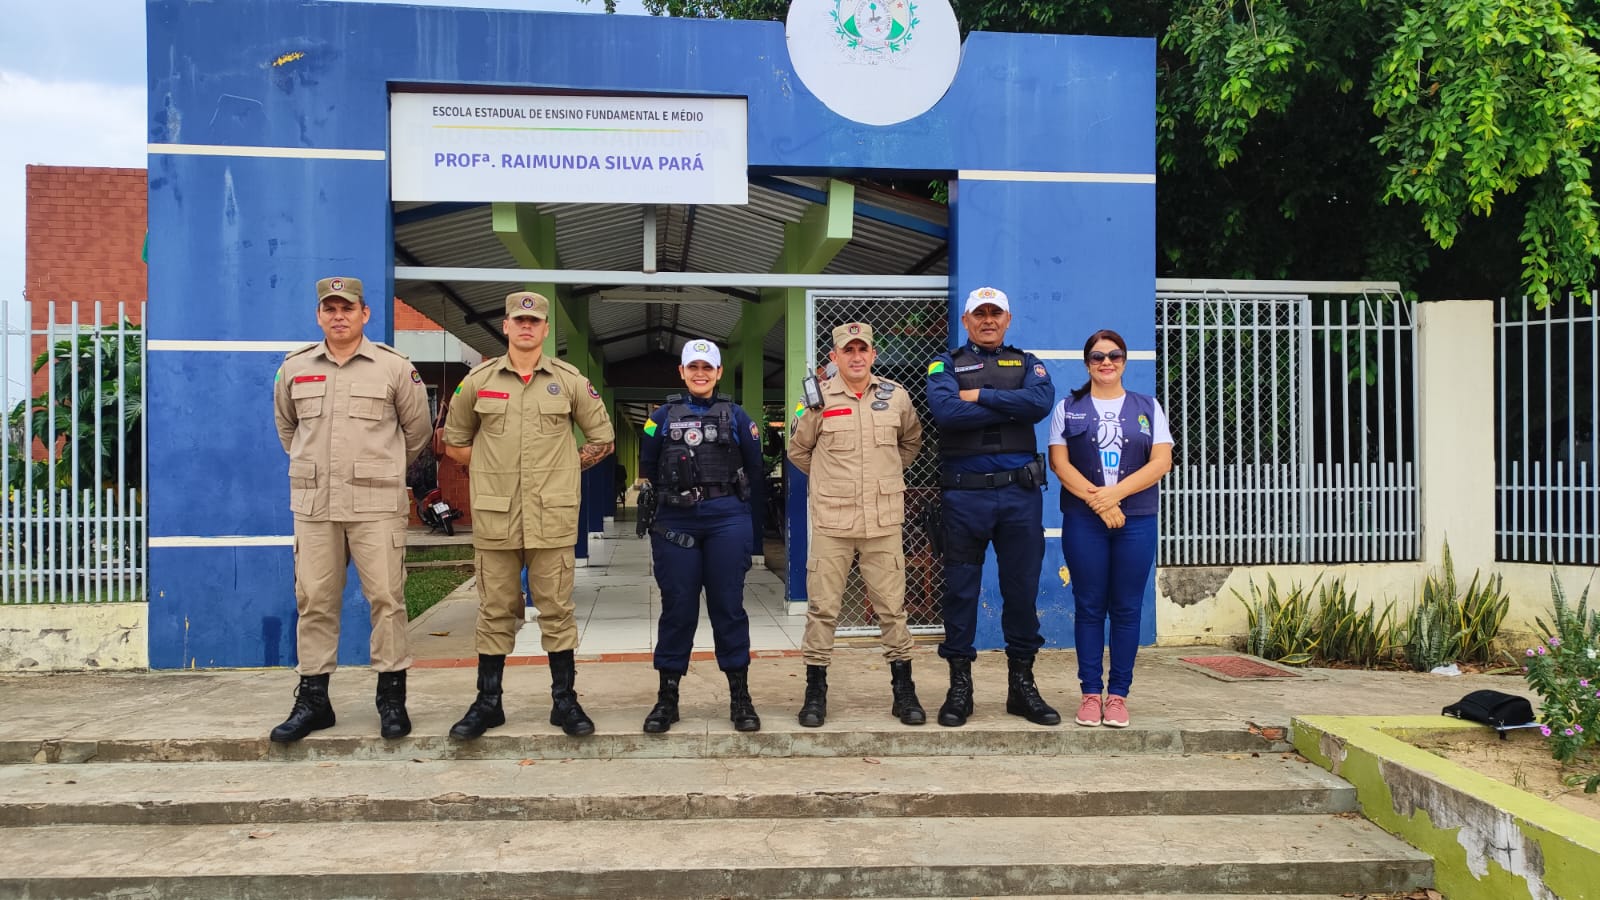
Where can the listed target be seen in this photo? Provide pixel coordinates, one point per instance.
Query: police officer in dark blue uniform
(699, 452)
(985, 397)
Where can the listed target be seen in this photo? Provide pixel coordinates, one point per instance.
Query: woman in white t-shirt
(1110, 448)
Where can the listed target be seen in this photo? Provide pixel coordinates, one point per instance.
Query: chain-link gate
(909, 328)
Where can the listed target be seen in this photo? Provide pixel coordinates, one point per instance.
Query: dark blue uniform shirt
(1030, 404)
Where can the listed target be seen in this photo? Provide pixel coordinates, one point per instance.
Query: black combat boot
(564, 708)
(958, 701)
(392, 718)
(661, 716)
(740, 710)
(1022, 695)
(906, 705)
(485, 712)
(312, 710)
(814, 711)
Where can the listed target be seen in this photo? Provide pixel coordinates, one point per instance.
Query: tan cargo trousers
(322, 552)
(500, 606)
(883, 570)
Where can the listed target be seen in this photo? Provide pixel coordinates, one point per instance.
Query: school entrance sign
(565, 149)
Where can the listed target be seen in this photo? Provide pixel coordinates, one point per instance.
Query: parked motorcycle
(435, 512)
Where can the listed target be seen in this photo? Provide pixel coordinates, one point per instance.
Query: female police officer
(701, 453)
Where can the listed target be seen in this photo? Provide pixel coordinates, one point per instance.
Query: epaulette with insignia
(382, 346)
(560, 363)
(493, 360)
(723, 398)
(299, 350)
(673, 398)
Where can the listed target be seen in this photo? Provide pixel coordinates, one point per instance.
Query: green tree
(107, 370)
(1446, 144)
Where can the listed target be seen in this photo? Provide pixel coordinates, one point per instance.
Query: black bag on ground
(1494, 708)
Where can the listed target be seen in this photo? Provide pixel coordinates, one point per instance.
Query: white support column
(1455, 431)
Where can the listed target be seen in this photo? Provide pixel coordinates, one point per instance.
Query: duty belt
(965, 481)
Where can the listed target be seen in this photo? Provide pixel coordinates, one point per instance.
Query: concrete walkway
(223, 714)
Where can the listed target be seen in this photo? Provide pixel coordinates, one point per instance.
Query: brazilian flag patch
(799, 410)
(458, 389)
(935, 367)
(650, 428)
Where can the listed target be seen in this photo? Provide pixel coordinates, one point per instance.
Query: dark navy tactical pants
(1012, 518)
(717, 563)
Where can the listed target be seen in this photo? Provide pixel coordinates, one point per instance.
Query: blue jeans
(1110, 569)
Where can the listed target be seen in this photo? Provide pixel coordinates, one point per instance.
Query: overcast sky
(72, 93)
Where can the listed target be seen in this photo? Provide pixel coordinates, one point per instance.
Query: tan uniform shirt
(524, 469)
(350, 431)
(856, 449)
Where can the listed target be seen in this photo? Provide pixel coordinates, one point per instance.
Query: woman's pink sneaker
(1116, 712)
(1089, 710)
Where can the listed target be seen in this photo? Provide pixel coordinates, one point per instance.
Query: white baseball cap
(989, 295)
(702, 350)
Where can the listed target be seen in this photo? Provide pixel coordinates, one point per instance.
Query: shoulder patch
(936, 367)
(1038, 369)
(299, 350)
(755, 433)
(592, 392)
(650, 427)
(416, 377)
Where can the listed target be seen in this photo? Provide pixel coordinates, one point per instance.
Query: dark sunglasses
(1101, 356)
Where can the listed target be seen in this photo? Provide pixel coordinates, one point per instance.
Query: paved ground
(244, 704)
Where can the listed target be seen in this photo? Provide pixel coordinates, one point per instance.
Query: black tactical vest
(697, 446)
(1003, 373)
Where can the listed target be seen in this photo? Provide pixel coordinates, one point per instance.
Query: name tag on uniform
(1010, 362)
(302, 379)
(837, 411)
(973, 368)
(494, 395)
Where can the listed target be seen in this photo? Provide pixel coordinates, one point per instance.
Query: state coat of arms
(875, 26)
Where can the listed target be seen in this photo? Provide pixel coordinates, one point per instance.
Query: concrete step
(526, 790)
(529, 736)
(956, 856)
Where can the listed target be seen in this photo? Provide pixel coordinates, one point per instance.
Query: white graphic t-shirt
(1108, 431)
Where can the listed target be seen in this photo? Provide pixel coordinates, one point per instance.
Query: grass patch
(425, 587)
(440, 553)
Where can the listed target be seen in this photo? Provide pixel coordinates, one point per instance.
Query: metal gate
(909, 329)
(72, 527)
(1295, 426)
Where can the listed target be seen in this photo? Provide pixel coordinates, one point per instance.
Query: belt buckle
(988, 479)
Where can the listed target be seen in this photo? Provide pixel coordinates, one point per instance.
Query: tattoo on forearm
(589, 454)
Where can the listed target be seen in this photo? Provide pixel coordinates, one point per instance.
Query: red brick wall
(408, 319)
(85, 235)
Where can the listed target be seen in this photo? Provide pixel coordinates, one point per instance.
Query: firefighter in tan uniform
(511, 425)
(351, 414)
(855, 448)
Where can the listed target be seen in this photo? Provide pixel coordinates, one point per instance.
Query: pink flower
(1568, 732)
(1544, 730)
(1530, 651)
(1541, 651)
(1524, 670)
(1583, 682)
(1578, 728)
(1555, 642)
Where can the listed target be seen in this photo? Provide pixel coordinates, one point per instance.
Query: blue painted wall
(237, 241)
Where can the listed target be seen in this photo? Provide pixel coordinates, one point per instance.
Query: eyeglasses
(1101, 356)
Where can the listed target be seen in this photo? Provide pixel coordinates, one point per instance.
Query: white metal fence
(1547, 363)
(72, 525)
(1294, 426)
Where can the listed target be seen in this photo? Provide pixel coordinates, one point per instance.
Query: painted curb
(1489, 840)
